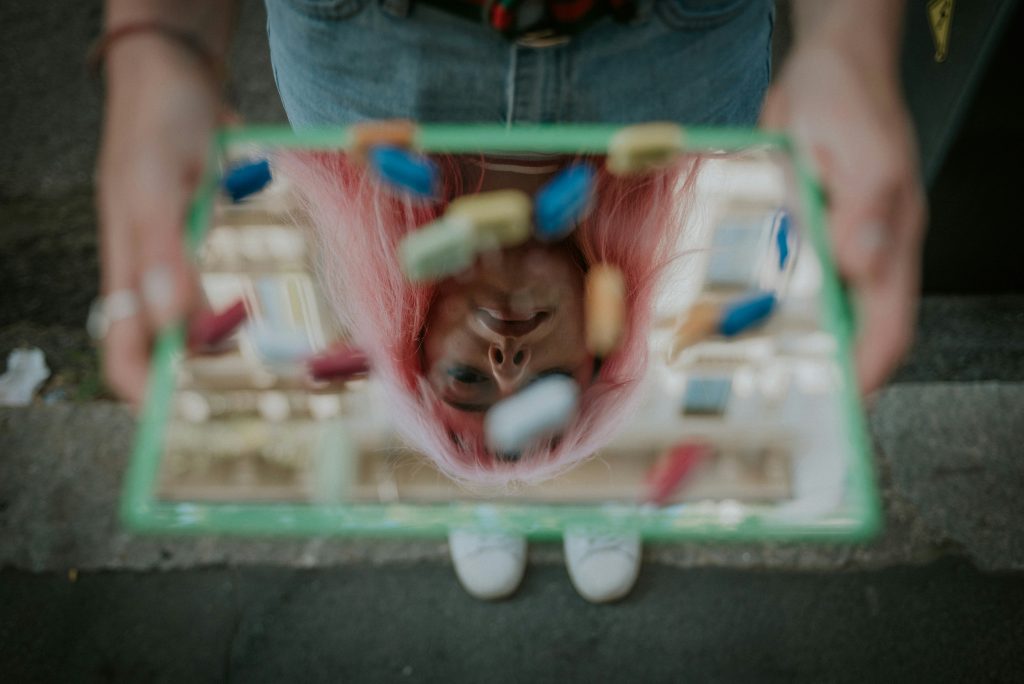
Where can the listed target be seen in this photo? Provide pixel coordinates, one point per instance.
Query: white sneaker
(602, 568)
(489, 565)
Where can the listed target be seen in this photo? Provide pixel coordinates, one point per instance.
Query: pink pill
(339, 363)
(210, 328)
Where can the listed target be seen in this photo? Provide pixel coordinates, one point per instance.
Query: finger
(125, 348)
(887, 300)
(166, 278)
(126, 358)
(887, 311)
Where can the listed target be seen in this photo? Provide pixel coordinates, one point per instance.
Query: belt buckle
(542, 38)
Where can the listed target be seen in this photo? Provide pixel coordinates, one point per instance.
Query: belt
(534, 24)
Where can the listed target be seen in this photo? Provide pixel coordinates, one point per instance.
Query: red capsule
(210, 328)
(339, 363)
(672, 469)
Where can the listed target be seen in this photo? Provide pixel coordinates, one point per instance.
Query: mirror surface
(509, 327)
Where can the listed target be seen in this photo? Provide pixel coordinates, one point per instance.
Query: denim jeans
(692, 61)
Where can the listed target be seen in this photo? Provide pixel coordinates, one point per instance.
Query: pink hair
(634, 225)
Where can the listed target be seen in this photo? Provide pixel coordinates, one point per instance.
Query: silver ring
(119, 305)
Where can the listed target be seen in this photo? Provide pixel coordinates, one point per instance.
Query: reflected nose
(509, 359)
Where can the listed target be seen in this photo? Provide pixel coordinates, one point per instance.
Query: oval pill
(502, 218)
(639, 148)
(564, 201)
(746, 313)
(438, 250)
(406, 171)
(540, 410)
(604, 308)
(246, 179)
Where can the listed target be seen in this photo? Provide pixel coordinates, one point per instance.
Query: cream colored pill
(437, 251)
(502, 218)
(604, 308)
(639, 148)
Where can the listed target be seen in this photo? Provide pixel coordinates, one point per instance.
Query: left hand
(840, 100)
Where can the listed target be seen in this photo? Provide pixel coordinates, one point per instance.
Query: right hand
(161, 108)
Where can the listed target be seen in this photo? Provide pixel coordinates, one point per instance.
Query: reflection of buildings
(249, 420)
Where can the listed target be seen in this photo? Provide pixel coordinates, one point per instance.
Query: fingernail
(158, 291)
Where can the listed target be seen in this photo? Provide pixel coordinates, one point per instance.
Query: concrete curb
(947, 456)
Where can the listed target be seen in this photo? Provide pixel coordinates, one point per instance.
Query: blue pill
(413, 173)
(563, 202)
(243, 180)
(746, 313)
(782, 238)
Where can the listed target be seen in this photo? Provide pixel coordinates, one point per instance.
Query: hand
(840, 100)
(160, 111)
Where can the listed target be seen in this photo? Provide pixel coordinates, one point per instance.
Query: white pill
(540, 410)
(274, 406)
(193, 407)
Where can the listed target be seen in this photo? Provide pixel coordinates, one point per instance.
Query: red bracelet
(190, 41)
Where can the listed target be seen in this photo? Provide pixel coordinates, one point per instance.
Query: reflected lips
(509, 324)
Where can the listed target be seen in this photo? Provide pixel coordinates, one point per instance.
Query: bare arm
(839, 96)
(162, 102)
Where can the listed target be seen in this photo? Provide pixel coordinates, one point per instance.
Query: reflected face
(516, 316)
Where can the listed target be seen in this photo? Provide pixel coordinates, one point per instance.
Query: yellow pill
(700, 322)
(639, 148)
(387, 133)
(604, 308)
(502, 218)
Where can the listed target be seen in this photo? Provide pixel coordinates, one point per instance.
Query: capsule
(782, 238)
(243, 180)
(700, 323)
(412, 173)
(389, 133)
(541, 410)
(341, 363)
(746, 313)
(209, 328)
(501, 218)
(643, 147)
(672, 469)
(604, 309)
(563, 202)
(438, 250)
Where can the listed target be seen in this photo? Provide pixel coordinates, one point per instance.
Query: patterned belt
(530, 23)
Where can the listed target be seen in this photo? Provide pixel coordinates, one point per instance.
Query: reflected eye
(467, 375)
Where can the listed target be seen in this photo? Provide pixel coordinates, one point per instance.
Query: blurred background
(938, 597)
